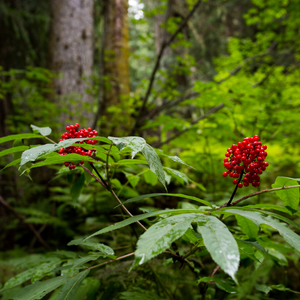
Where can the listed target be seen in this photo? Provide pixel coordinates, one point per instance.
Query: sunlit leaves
(44, 131)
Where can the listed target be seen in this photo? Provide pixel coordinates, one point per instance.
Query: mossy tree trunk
(71, 55)
(116, 106)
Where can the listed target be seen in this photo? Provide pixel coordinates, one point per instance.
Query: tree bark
(116, 86)
(71, 54)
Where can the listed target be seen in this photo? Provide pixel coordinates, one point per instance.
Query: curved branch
(157, 63)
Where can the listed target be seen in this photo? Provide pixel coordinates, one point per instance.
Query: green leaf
(220, 243)
(43, 269)
(44, 131)
(160, 236)
(70, 288)
(92, 245)
(290, 197)
(290, 236)
(224, 284)
(263, 288)
(174, 158)
(142, 197)
(82, 260)
(38, 290)
(150, 177)
(136, 144)
(179, 175)
(247, 226)
(19, 136)
(129, 162)
(281, 287)
(154, 164)
(141, 217)
(270, 206)
(13, 150)
(77, 187)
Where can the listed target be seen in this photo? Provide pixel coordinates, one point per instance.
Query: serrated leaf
(92, 245)
(70, 288)
(224, 284)
(19, 136)
(44, 131)
(247, 226)
(154, 164)
(290, 197)
(142, 197)
(290, 236)
(160, 236)
(82, 260)
(77, 187)
(13, 150)
(220, 243)
(38, 290)
(141, 217)
(179, 175)
(136, 144)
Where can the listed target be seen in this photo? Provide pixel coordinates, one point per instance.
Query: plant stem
(231, 198)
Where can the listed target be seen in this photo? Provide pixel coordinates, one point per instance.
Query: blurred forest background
(191, 77)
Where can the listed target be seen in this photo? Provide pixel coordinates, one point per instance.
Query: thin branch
(49, 140)
(109, 261)
(215, 271)
(94, 176)
(157, 63)
(260, 192)
(23, 219)
(240, 66)
(177, 134)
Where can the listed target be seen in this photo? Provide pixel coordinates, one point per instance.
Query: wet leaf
(160, 236)
(220, 243)
(44, 131)
(19, 136)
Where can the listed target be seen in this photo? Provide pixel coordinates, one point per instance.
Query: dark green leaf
(70, 288)
(142, 197)
(247, 226)
(77, 187)
(38, 290)
(224, 284)
(220, 243)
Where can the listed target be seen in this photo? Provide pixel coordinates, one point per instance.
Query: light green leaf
(174, 158)
(77, 187)
(44, 131)
(142, 197)
(220, 243)
(141, 217)
(13, 150)
(129, 162)
(179, 175)
(150, 177)
(247, 226)
(290, 197)
(38, 290)
(43, 269)
(269, 207)
(160, 236)
(263, 288)
(92, 245)
(19, 136)
(136, 144)
(154, 164)
(281, 287)
(70, 288)
(290, 236)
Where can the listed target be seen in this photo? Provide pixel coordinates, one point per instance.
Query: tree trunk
(71, 54)
(114, 116)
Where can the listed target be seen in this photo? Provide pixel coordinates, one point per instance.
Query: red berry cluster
(247, 158)
(73, 133)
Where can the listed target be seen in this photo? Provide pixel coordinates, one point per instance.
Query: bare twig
(23, 219)
(157, 63)
(211, 111)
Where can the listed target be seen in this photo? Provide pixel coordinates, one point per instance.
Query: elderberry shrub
(73, 133)
(246, 159)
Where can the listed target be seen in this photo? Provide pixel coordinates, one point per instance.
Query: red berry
(234, 181)
(240, 185)
(225, 174)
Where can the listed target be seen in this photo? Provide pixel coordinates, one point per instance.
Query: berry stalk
(235, 189)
